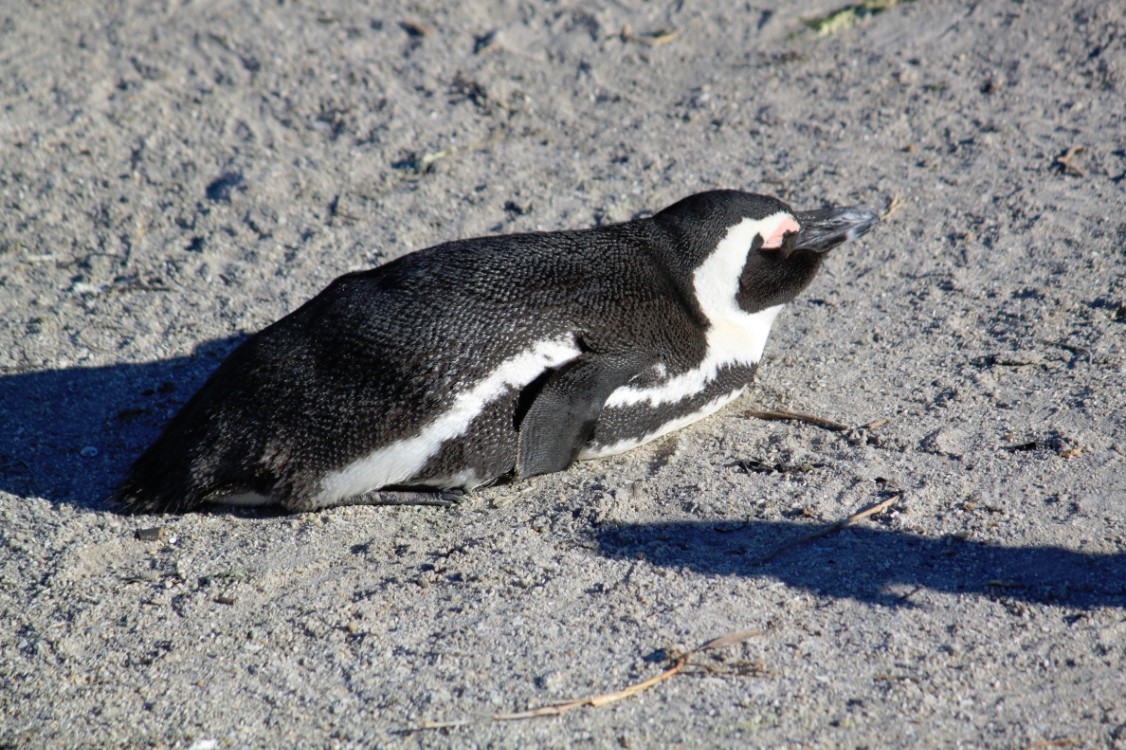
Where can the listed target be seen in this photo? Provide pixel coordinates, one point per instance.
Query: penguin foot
(437, 498)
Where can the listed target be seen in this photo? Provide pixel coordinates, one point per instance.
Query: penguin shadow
(69, 435)
(873, 565)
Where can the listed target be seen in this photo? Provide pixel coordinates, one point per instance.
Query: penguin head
(754, 247)
(784, 258)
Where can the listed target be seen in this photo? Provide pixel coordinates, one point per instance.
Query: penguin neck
(719, 282)
(734, 333)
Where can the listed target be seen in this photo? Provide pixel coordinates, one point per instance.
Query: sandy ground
(175, 175)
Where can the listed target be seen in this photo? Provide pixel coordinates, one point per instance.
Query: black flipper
(562, 416)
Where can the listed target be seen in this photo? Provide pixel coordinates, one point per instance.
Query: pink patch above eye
(774, 240)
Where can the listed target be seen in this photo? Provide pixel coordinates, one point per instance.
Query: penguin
(493, 359)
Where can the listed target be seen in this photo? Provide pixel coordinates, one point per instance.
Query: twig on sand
(909, 594)
(1063, 742)
(878, 507)
(796, 416)
(782, 414)
(893, 205)
(655, 39)
(1066, 161)
(597, 701)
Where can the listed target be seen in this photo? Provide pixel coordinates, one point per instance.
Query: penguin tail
(181, 470)
(196, 461)
(156, 486)
(130, 497)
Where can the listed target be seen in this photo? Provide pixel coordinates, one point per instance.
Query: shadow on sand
(69, 435)
(875, 565)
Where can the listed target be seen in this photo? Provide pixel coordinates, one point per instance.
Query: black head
(776, 272)
(773, 250)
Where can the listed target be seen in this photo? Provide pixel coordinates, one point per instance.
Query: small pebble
(149, 535)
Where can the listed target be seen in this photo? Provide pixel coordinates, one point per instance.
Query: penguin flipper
(562, 415)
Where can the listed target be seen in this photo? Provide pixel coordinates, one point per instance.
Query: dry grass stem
(597, 701)
(654, 39)
(894, 204)
(878, 507)
(1066, 161)
(782, 414)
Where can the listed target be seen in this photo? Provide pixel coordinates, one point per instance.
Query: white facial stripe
(716, 281)
(402, 460)
(734, 337)
(622, 446)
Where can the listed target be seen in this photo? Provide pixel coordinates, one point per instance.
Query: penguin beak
(824, 229)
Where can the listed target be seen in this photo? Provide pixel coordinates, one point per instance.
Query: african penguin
(493, 358)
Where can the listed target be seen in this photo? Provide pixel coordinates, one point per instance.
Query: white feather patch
(734, 337)
(401, 461)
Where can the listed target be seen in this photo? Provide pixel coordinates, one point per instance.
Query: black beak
(823, 230)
